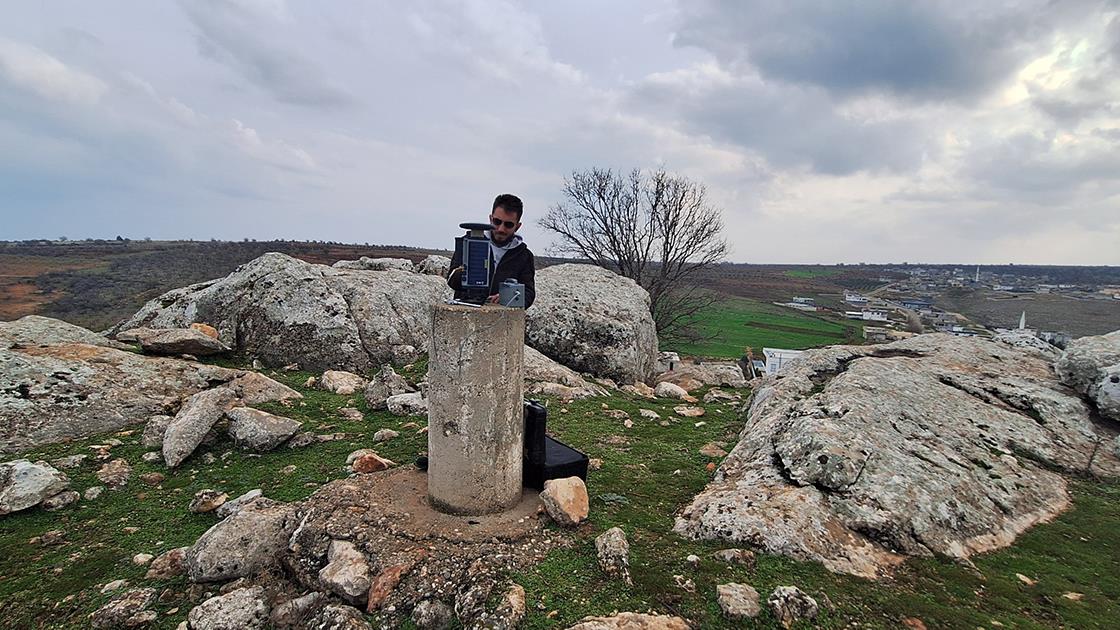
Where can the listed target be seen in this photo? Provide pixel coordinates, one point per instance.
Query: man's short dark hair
(509, 203)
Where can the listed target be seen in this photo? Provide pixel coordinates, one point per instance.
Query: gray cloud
(236, 34)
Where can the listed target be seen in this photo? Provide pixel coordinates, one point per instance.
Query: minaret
(977, 274)
(1023, 321)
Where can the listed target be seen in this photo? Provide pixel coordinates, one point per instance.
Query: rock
(1027, 341)
(35, 330)
(168, 565)
(566, 500)
(226, 508)
(510, 610)
(24, 484)
(735, 556)
(241, 609)
(688, 411)
(1080, 364)
(291, 615)
(367, 461)
(631, 621)
(142, 559)
(302, 439)
(376, 264)
(384, 435)
(593, 320)
(614, 554)
(152, 457)
(152, 478)
(284, 310)
(666, 389)
(432, 614)
(115, 585)
(337, 617)
(718, 395)
(93, 492)
(60, 500)
(253, 388)
(718, 373)
(412, 404)
(122, 610)
(385, 384)
(250, 540)
(1026, 580)
(738, 601)
(711, 449)
(383, 585)
(197, 416)
(176, 341)
(649, 414)
(71, 390)
(545, 376)
(207, 501)
(351, 413)
(639, 389)
(259, 431)
(205, 329)
(346, 573)
(69, 462)
(115, 474)
(693, 561)
(434, 265)
(341, 382)
(790, 604)
(154, 430)
(1105, 392)
(859, 456)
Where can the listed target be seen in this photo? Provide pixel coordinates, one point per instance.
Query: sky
(872, 131)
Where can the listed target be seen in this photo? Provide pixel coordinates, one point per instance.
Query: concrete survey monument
(476, 423)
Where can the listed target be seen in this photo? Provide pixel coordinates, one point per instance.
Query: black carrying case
(544, 457)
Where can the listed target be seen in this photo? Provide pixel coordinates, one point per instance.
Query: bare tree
(657, 229)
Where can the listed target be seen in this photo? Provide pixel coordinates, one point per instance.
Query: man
(509, 256)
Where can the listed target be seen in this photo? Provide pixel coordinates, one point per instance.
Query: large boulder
(60, 382)
(434, 265)
(727, 374)
(25, 484)
(1090, 365)
(249, 540)
(545, 376)
(375, 264)
(198, 415)
(593, 320)
(859, 456)
(284, 310)
(239, 609)
(256, 430)
(174, 341)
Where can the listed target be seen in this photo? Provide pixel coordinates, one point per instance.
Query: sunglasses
(509, 224)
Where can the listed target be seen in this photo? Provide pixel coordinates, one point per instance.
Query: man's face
(507, 225)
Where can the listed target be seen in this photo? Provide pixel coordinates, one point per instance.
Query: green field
(810, 274)
(734, 324)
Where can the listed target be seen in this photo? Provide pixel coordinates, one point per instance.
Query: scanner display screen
(477, 263)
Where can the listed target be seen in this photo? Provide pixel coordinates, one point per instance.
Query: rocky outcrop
(198, 415)
(25, 484)
(434, 265)
(593, 320)
(545, 376)
(375, 264)
(284, 310)
(174, 341)
(56, 386)
(859, 456)
(248, 541)
(1027, 341)
(712, 373)
(1090, 365)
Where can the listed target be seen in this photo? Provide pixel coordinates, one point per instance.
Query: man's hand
(456, 270)
(493, 299)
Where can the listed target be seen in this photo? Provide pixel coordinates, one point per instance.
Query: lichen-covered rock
(385, 384)
(250, 540)
(123, 610)
(545, 376)
(1106, 392)
(1027, 341)
(790, 604)
(283, 310)
(1084, 357)
(207, 500)
(593, 320)
(154, 430)
(168, 565)
(341, 382)
(240, 609)
(375, 264)
(54, 386)
(432, 614)
(254, 388)
(25, 484)
(196, 417)
(177, 341)
(665, 389)
(291, 614)
(410, 404)
(347, 572)
(738, 601)
(566, 500)
(723, 373)
(60, 500)
(632, 621)
(859, 456)
(115, 474)
(338, 617)
(434, 265)
(613, 551)
(260, 431)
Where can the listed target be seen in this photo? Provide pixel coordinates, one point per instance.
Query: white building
(854, 298)
(778, 358)
(867, 315)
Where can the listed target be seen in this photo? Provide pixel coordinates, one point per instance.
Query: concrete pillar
(476, 422)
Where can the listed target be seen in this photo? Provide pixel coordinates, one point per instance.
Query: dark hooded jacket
(516, 262)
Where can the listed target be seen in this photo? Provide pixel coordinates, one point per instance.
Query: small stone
(432, 614)
(613, 552)
(230, 507)
(167, 565)
(71, 461)
(735, 556)
(684, 583)
(913, 623)
(152, 456)
(383, 585)
(115, 474)
(244, 609)
(594, 463)
(60, 500)
(384, 435)
(693, 560)
(790, 604)
(351, 413)
(130, 530)
(1073, 597)
(1026, 580)
(666, 389)
(566, 500)
(628, 423)
(341, 382)
(287, 470)
(664, 423)
(142, 559)
(346, 572)
(122, 608)
(711, 449)
(114, 586)
(367, 460)
(711, 467)
(207, 501)
(93, 492)
(688, 411)
(738, 601)
(154, 432)
(152, 478)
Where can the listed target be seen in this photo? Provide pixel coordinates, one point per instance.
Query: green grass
(730, 326)
(647, 476)
(812, 273)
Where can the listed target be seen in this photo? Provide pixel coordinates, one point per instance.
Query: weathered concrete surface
(55, 386)
(593, 320)
(284, 310)
(475, 420)
(859, 456)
